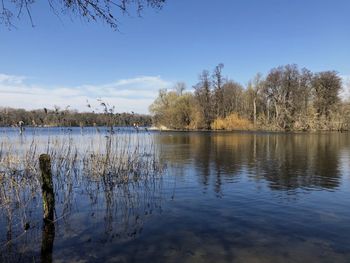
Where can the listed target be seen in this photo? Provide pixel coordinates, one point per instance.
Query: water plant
(118, 175)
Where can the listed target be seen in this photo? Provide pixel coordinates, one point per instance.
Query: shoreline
(154, 129)
(251, 131)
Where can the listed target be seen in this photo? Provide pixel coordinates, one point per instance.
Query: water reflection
(48, 237)
(101, 196)
(285, 161)
(95, 213)
(223, 197)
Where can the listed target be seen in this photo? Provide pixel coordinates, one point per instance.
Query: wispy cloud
(11, 79)
(134, 94)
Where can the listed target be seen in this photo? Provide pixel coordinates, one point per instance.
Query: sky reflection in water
(223, 197)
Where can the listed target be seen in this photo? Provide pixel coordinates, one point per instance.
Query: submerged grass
(118, 175)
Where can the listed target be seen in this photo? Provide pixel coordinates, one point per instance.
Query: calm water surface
(223, 197)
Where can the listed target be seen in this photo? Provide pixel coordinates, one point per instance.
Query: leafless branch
(91, 10)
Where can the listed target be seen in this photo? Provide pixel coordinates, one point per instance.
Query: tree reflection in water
(223, 197)
(285, 161)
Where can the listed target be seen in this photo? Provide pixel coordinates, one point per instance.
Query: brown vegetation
(231, 123)
(58, 117)
(287, 99)
(121, 170)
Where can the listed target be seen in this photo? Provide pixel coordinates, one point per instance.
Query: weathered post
(47, 187)
(48, 233)
(47, 240)
(21, 128)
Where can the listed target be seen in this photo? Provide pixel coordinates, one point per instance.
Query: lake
(198, 197)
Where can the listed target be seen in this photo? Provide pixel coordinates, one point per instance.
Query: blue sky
(66, 61)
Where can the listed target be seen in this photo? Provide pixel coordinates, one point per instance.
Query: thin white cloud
(11, 79)
(134, 94)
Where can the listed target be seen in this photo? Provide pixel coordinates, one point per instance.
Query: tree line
(288, 99)
(72, 118)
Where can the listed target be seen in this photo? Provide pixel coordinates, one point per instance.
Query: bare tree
(180, 87)
(256, 87)
(289, 98)
(203, 97)
(232, 98)
(92, 10)
(68, 117)
(326, 87)
(218, 82)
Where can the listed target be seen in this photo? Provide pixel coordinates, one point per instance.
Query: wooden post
(47, 187)
(21, 128)
(47, 240)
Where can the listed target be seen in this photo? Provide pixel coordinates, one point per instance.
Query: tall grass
(231, 123)
(119, 174)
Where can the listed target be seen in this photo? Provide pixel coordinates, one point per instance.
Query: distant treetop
(92, 10)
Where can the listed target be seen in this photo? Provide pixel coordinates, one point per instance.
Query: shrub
(232, 122)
